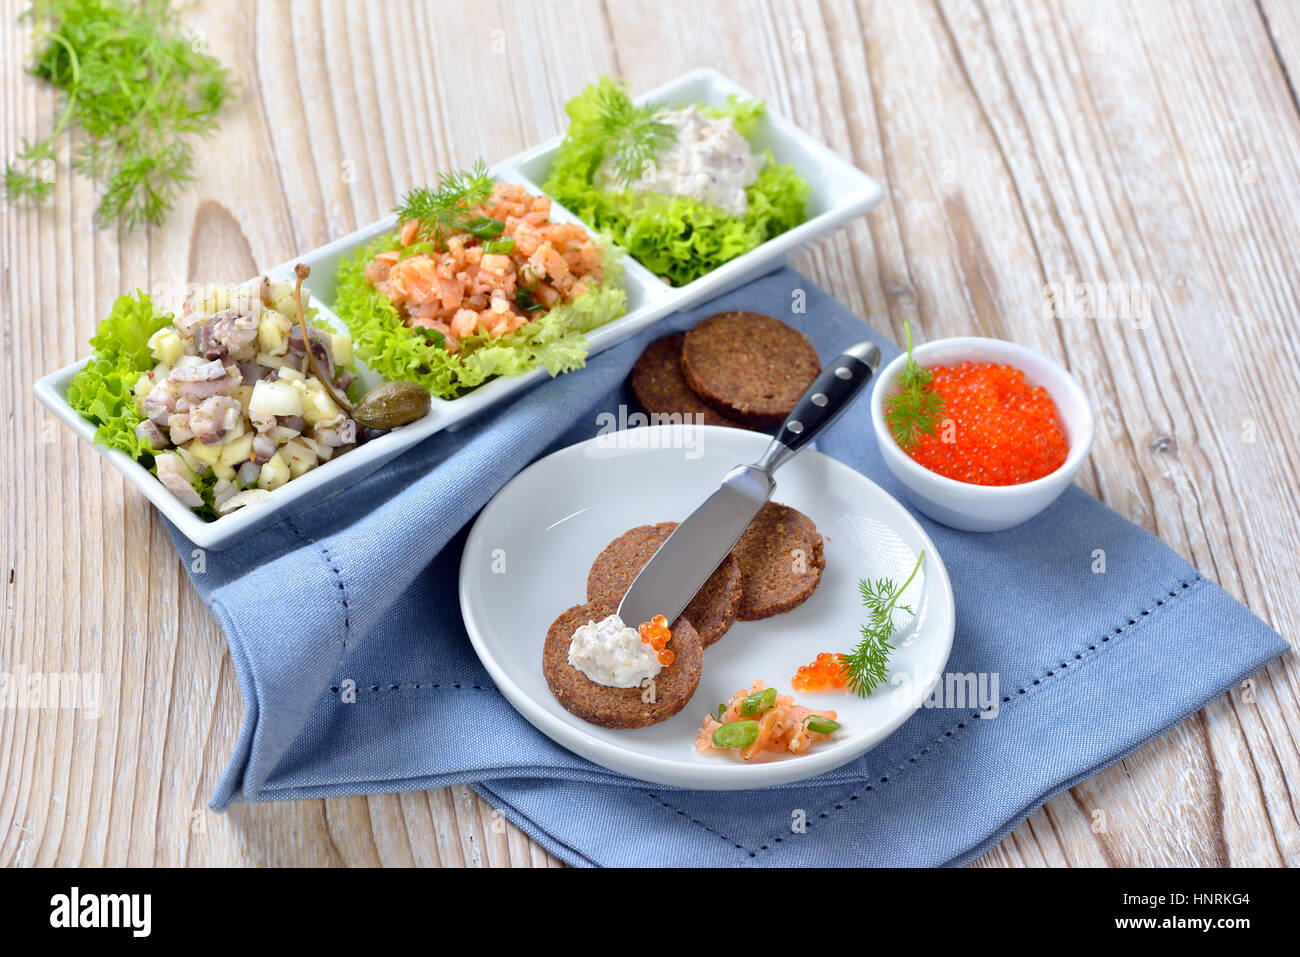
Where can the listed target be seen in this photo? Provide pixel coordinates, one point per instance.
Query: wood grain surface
(1146, 149)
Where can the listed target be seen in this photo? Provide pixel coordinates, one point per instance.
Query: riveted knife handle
(829, 395)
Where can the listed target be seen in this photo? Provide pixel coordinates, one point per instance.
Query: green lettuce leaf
(744, 114)
(677, 238)
(102, 390)
(557, 341)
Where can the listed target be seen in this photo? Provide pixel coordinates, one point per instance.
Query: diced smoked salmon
(782, 729)
(463, 291)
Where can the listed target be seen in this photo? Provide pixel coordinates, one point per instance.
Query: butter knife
(698, 545)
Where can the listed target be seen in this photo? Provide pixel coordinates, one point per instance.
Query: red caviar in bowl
(996, 428)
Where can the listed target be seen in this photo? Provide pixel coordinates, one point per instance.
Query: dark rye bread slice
(657, 384)
(713, 609)
(619, 707)
(749, 366)
(781, 562)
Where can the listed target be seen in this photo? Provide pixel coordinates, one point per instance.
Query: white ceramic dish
(840, 192)
(552, 520)
(986, 508)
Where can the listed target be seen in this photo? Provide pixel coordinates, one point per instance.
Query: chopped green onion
(526, 301)
(736, 734)
(759, 702)
(821, 725)
(504, 246)
(416, 249)
(484, 227)
(722, 709)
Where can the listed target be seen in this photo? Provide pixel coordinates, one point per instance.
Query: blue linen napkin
(362, 587)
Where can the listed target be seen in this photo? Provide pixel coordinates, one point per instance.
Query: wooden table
(1146, 150)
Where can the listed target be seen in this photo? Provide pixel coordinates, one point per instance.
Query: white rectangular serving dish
(840, 192)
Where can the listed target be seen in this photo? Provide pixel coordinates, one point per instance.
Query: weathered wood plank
(1150, 145)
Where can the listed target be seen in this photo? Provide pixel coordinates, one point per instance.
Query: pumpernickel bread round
(619, 707)
(749, 366)
(658, 386)
(713, 609)
(781, 561)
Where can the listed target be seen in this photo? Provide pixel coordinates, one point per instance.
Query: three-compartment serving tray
(840, 192)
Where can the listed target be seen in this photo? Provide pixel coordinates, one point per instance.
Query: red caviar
(996, 428)
(656, 634)
(824, 673)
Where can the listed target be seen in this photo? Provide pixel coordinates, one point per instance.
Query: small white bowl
(986, 508)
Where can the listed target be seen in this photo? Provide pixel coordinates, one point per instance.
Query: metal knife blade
(696, 547)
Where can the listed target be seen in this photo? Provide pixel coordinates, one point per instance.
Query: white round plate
(528, 554)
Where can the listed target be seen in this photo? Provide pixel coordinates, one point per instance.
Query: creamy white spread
(707, 160)
(610, 653)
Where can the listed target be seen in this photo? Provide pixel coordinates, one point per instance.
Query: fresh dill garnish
(631, 135)
(867, 665)
(915, 409)
(137, 86)
(450, 207)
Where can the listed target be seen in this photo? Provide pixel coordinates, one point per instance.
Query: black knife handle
(831, 392)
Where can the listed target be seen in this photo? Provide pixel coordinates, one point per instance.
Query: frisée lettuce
(556, 340)
(102, 390)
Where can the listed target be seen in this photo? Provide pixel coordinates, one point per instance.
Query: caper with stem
(392, 404)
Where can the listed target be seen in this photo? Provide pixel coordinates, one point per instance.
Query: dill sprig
(915, 409)
(137, 86)
(867, 665)
(448, 208)
(631, 135)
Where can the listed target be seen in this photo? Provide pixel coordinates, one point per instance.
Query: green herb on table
(867, 665)
(137, 86)
(915, 409)
(450, 208)
(630, 135)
